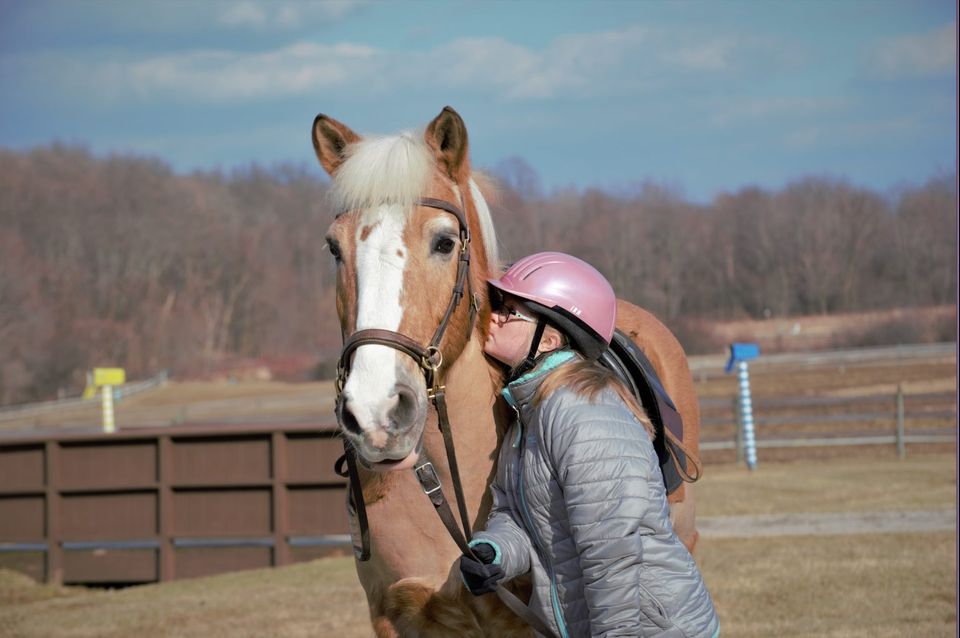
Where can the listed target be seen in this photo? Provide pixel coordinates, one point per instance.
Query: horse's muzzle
(384, 431)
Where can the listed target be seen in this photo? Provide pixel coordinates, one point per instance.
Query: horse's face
(395, 272)
(396, 269)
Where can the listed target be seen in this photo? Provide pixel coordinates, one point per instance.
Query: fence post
(746, 415)
(901, 442)
(54, 506)
(737, 430)
(740, 353)
(109, 424)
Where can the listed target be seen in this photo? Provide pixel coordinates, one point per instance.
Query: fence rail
(785, 422)
(128, 389)
(155, 504)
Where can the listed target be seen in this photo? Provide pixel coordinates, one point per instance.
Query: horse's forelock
(383, 170)
(396, 169)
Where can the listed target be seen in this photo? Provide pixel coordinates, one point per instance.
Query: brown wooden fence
(147, 505)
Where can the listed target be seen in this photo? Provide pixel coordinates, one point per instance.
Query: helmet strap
(531, 359)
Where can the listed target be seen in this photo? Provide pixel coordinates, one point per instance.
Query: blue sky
(705, 97)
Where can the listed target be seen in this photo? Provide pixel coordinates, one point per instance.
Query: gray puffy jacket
(579, 502)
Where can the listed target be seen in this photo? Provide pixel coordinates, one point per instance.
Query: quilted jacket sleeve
(507, 537)
(603, 461)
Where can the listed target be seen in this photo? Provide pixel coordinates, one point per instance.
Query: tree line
(120, 261)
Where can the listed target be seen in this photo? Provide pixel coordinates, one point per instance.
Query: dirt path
(834, 523)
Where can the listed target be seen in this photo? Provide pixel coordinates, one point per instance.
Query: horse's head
(397, 266)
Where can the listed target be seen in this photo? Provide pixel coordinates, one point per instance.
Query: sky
(701, 97)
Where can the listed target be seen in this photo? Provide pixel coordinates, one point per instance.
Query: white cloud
(919, 54)
(284, 15)
(218, 76)
(715, 55)
(244, 14)
(737, 109)
(605, 64)
(626, 60)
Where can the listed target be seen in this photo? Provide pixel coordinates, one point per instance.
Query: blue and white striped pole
(746, 415)
(740, 353)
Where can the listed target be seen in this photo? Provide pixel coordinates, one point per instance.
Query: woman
(578, 497)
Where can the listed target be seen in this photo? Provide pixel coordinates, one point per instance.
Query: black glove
(481, 576)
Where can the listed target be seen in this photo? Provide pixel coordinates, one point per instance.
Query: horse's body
(396, 270)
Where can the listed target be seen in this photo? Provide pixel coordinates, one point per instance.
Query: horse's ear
(330, 140)
(447, 136)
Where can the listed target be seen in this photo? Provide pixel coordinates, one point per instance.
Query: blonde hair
(588, 379)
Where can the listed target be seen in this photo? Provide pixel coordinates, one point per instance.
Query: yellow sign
(109, 376)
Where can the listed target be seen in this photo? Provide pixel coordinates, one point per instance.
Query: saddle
(628, 363)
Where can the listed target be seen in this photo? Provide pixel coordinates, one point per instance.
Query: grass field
(875, 585)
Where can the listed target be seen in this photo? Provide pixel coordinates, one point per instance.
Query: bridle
(430, 360)
(429, 357)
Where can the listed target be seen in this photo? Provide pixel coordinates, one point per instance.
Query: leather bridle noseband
(430, 360)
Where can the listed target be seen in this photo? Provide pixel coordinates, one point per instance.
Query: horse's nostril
(404, 412)
(346, 418)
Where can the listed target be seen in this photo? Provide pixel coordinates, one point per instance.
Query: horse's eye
(334, 248)
(444, 245)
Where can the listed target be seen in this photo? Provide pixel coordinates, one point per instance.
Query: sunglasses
(505, 314)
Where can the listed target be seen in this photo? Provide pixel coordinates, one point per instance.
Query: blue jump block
(741, 352)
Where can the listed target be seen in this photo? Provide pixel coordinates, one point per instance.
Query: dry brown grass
(321, 598)
(860, 484)
(876, 585)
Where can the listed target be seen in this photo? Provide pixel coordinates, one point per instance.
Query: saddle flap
(628, 362)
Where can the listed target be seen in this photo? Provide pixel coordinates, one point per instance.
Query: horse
(409, 208)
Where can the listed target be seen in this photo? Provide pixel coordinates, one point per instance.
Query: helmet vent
(529, 274)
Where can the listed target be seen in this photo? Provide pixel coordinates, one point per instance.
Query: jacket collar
(520, 390)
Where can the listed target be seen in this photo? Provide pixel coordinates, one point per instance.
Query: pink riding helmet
(568, 291)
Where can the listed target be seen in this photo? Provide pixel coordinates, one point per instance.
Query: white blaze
(380, 260)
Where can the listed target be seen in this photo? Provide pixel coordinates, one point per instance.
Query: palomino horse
(399, 248)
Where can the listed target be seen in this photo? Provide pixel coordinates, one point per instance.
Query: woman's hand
(479, 572)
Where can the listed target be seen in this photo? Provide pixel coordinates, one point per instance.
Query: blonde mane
(396, 170)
